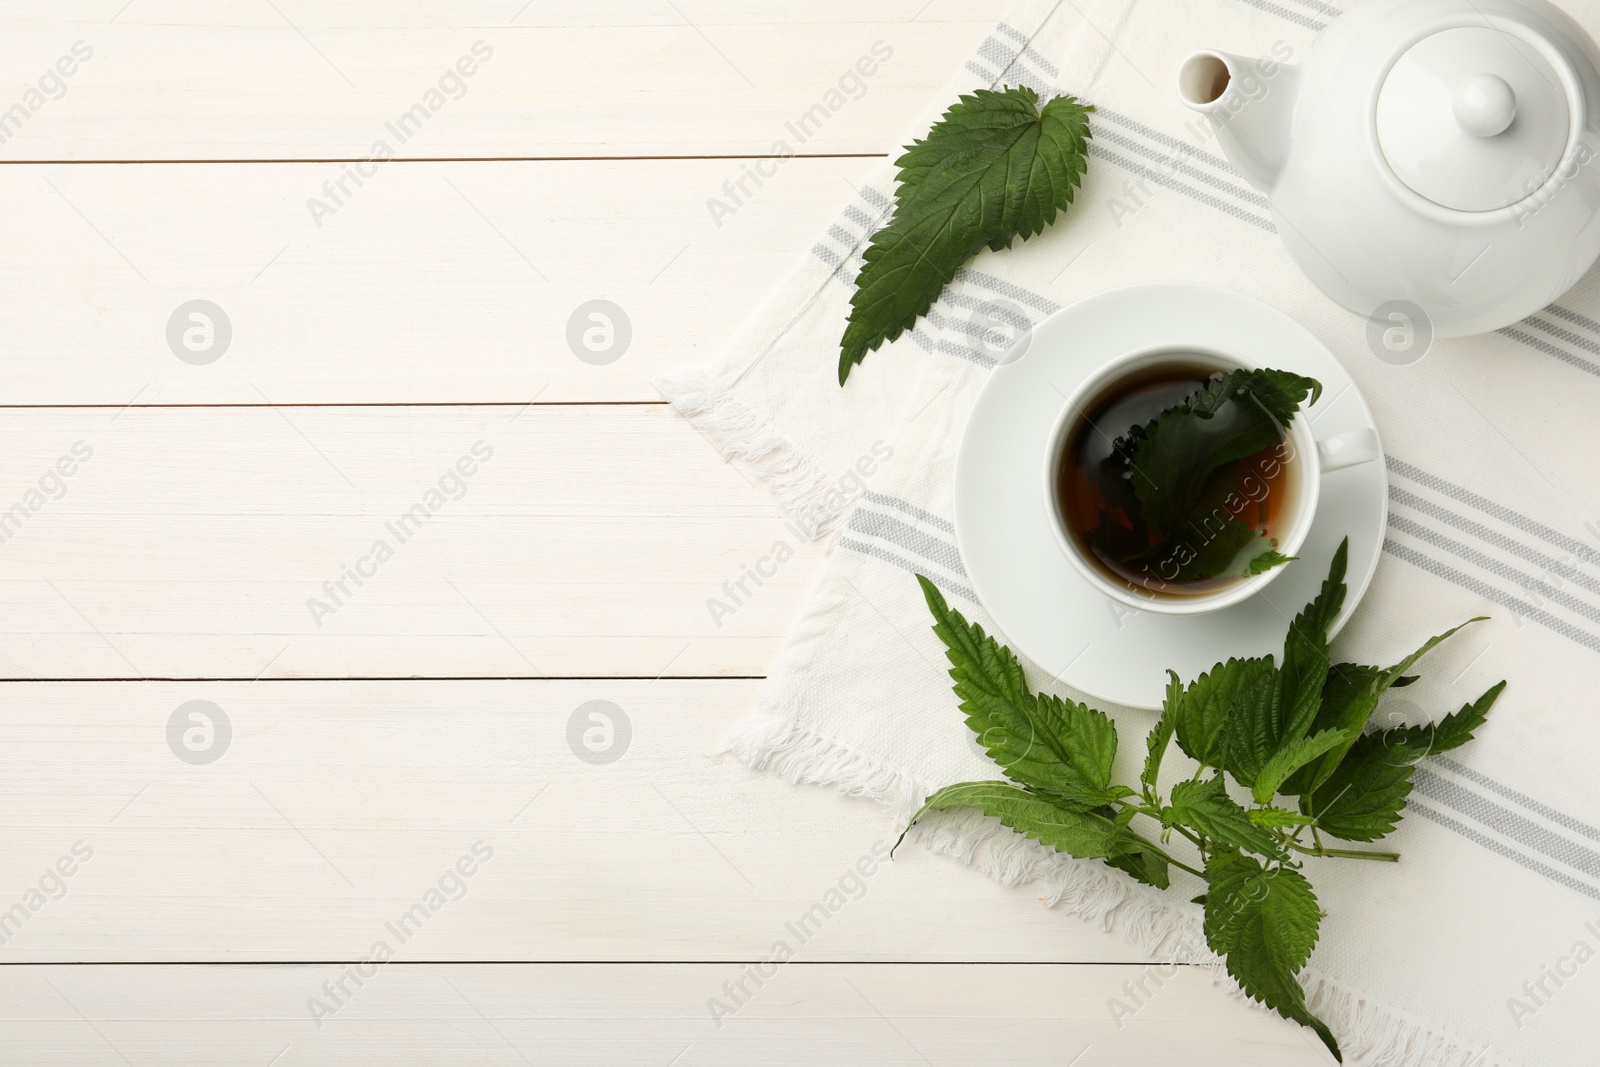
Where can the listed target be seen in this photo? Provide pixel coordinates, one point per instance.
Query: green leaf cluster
(997, 166)
(1284, 760)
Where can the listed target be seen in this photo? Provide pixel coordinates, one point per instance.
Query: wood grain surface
(233, 770)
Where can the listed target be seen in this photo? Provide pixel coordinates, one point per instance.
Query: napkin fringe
(1381, 1037)
(802, 488)
(774, 744)
(1367, 1033)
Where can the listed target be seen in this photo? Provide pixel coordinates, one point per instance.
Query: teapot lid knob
(1484, 105)
(1476, 118)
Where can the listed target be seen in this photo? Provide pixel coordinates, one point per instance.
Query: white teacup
(1310, 459)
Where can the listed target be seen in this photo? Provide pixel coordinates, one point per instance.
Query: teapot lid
(1474, 118)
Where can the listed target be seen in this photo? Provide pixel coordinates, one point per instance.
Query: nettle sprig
(1290, 735)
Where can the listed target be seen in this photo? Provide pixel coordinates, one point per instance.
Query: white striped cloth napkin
(1476, 949)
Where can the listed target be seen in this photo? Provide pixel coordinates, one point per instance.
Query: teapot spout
(1249, 103)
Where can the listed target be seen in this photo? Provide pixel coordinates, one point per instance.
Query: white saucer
(1046, 610)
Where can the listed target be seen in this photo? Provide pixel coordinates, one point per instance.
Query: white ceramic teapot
(1441, 152)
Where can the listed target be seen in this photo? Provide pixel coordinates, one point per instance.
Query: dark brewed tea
(1099, 500)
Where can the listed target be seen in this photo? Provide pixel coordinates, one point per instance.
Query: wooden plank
(431, 283)
(166, 79)
(328, 810)
(212, 542)
(898, 1016)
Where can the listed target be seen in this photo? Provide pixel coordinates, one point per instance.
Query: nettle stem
(1155, 813)
(1346, 853)
(1164, 855)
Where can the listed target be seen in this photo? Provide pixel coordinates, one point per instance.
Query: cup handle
(1347, 450)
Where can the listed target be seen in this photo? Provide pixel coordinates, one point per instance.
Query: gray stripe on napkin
(875, 198)
(843, 236)
(836, 261)
(1507, 823)
(1523, 581)
(827, 255)
(851, 247)
(1489, 592)
(947, 347)
(1284, 13)
(1550, 350)
(1005, 288)
(968, 327)
(996, 54)
(966, 352)
(935, 318)
(861, 218)
(1560, 818)
(900, 534)
(1019, 75)
(1564, 570)
(1254, 199)
(884, 500)
(1500, 847)
(1320, 8)
(1027, 49)
(1499, 511)
(1573, 317)
(1215, 162)
(953, 588)
(1162, 180)
(965, 302)
(1561, 333)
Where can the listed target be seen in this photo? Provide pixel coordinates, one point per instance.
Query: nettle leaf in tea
(1194, 497)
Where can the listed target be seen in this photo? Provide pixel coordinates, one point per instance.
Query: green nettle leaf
(1207, 807)
(1392, 675)
(1454, 730)
(1185, 479)
(1083, 834)
(1229, 418)
(1266, 720)
(1264, 922)
(1052, 745)
(1232, 550)
(1305, 652)
(1278, 393)
(1294, 755)
(1276, 818)
(1161, 734)
(1349, 694)
(1294, 731)
(1363, 798)
(997, 166)
(1204, 711)
(1349, 697)
(1143, 865)
(1264, 562)
(1252, 736)
(1132, 854)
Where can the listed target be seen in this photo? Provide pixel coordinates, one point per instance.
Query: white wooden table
(395, 767)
